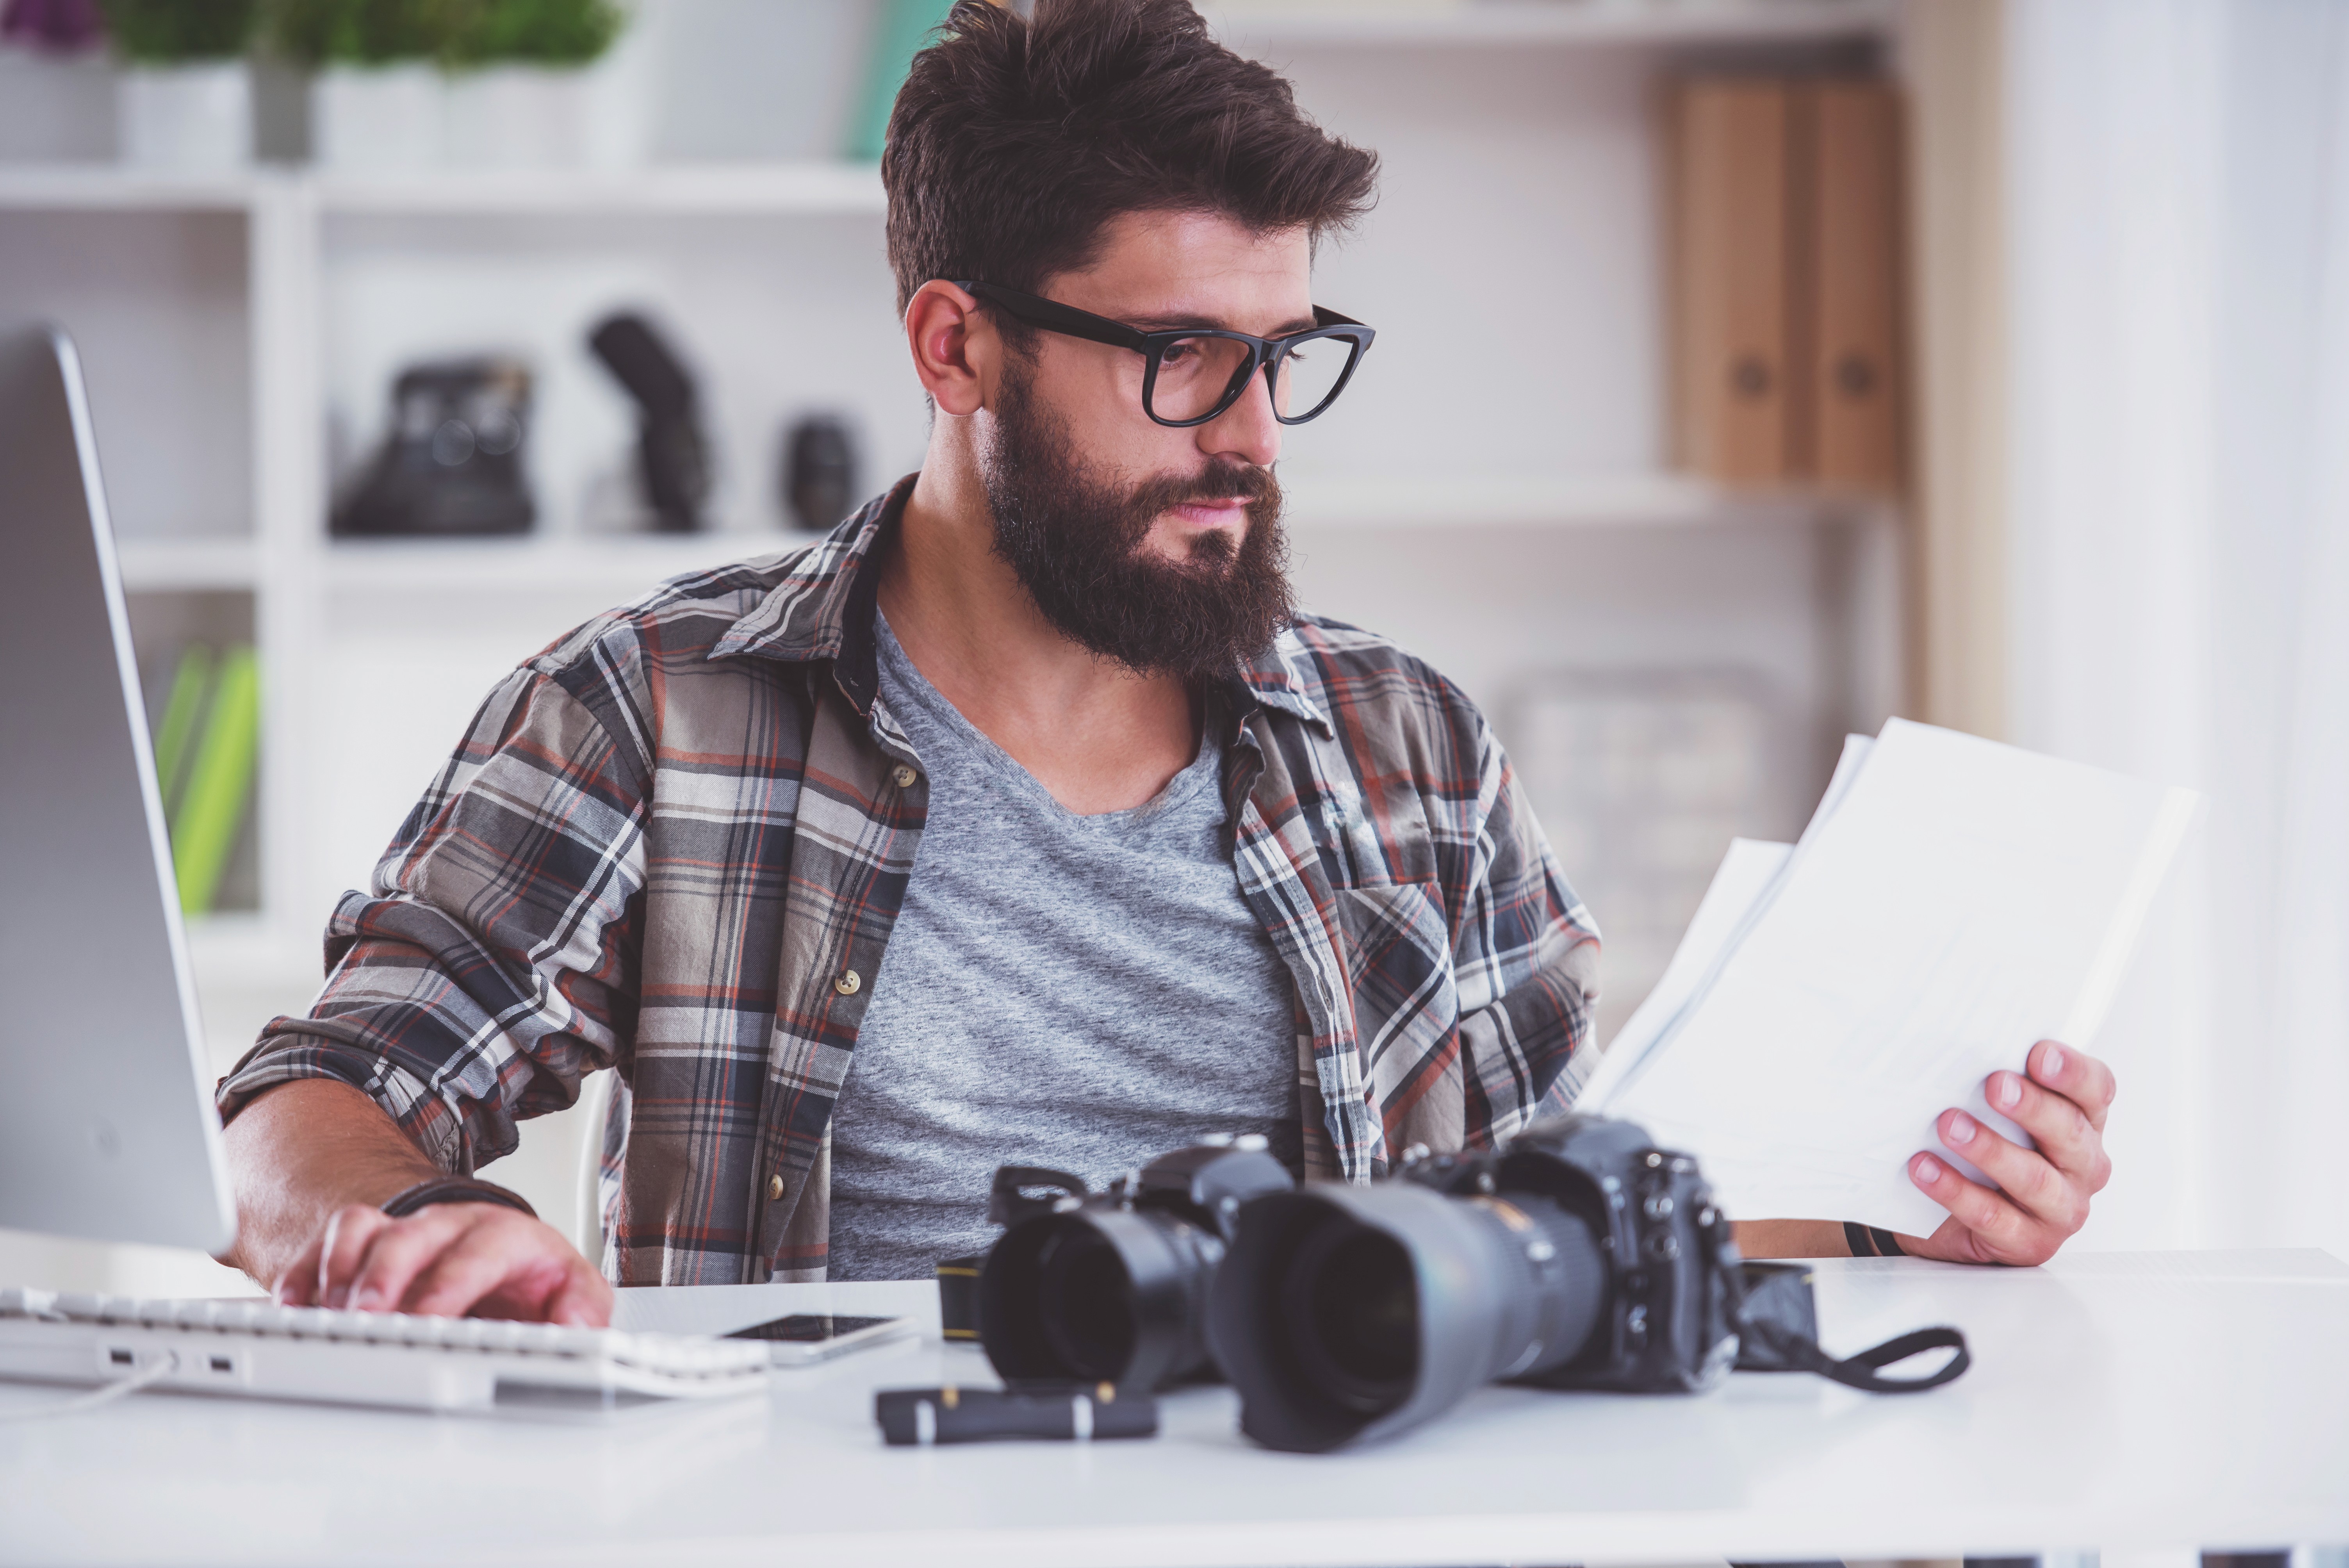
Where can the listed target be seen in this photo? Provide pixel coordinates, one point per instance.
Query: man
(1020, 819)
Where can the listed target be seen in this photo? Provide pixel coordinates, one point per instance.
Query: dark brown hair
(1016, 140)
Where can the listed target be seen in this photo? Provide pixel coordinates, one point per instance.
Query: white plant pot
(530, 117)
(186, 117)
(385, 117)
(516, 117)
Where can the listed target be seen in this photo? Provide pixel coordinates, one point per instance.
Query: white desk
(2123, 1403)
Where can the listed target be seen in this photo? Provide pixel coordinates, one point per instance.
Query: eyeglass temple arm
(1058, 318)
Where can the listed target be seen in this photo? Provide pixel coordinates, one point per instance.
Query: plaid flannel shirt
(674, 841)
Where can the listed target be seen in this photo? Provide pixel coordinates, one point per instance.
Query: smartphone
(804, 1338)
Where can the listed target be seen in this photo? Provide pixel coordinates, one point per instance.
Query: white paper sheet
(1953, 902)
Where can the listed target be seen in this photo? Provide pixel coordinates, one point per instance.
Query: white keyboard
(260, 1350)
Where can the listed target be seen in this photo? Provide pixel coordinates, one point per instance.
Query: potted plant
(184, 99)
(57, 87)
(533, 85)
(375, 98)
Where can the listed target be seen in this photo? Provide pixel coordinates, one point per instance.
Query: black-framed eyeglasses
(1193, 374)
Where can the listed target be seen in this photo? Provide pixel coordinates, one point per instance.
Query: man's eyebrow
(1189, 322)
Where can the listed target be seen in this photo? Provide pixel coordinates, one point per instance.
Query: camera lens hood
(1349, 1314)
(1098, 1294)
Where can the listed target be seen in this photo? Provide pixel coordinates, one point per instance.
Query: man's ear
(957, 350)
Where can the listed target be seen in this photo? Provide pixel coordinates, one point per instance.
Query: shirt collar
(822, 609)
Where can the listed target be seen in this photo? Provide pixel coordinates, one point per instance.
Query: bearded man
(1023, 817)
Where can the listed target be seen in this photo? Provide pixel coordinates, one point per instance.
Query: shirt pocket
(1398, 972)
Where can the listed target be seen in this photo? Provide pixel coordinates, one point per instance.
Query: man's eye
(1178, 351)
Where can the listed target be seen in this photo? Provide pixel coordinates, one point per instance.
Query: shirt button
(905, 776)
(774, 1188)
(847, 982)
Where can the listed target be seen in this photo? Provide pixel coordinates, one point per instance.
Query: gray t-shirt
(1081, 993)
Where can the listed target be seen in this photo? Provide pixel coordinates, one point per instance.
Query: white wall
(2180, 560)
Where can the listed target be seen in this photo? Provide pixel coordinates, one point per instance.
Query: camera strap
(1865, 1370)
(1778, 1325)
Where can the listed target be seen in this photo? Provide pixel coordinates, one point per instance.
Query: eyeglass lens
(1194, 373)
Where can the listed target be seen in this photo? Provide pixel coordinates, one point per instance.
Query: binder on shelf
(1730, 284)
(1785, 206)
(191, 677)
(1854, 313)
(212, 804)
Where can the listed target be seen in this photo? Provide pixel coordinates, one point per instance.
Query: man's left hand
(2041, 1199)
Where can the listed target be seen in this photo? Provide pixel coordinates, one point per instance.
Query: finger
(341, 1246)
(398, 1252)
(298, 1285)
(2006, 1234)
(485, 1261)
(2077, 1077)
(2061, 1130)
(584, 1301)
(2028, 1177)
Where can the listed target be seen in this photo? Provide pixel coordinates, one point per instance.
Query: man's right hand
(312, 1159)
(449, 1260)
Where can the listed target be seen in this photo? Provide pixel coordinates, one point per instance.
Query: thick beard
(1078, 546)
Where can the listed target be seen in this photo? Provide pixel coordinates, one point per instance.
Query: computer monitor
(107, 1129)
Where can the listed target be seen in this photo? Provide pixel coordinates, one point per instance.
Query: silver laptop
(107, 1127)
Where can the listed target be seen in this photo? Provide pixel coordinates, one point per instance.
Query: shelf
(623, 566)
(106, 188)
(1648, 499)
(746, 189)
(1561, 22)
(750, 190)
(166, 565)
(244, 952)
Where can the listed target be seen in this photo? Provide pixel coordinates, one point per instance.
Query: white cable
(155, 1372)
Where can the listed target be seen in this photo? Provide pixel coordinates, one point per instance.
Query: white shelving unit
(1494, 491)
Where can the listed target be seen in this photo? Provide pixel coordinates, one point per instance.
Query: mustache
(1217, 481)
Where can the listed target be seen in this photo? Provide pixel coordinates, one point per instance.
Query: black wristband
(1871, 1241)
(453, 1190)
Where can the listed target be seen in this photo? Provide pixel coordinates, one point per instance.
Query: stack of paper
(1953, 902)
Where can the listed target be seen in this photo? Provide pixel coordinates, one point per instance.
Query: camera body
(1112, 1287)
(1577, 1255)
(1669, 1325)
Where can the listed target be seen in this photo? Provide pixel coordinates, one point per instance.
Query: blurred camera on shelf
(672, 453)
(452, 464)
(819, 472)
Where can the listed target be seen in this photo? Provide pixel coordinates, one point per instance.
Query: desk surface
(2133, 1402)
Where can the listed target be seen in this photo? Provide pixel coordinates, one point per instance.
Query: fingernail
(1929, 1170)
(2009, 1090)
(337, 1297)
(368, 1300)
(1961, 1129)
(2052, 1062)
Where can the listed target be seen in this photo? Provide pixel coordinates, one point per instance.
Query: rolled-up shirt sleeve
(493, 965)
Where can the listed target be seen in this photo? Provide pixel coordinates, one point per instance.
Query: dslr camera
(1111, 1287)
(1578, 1256)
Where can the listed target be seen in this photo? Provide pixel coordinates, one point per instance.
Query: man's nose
(1245, 430)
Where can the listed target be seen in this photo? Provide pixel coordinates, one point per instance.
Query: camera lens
(1350, 1313)
(1084, 1301)
(1353, 1315)
(1115, 1288)
(1098, 1294)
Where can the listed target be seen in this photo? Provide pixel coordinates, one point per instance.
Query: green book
(220, 782)
(904, 30)
(191, 679)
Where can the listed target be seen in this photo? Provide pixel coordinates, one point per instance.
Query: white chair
(594, 1106)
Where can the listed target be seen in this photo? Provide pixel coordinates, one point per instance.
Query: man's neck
(1094, 734)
